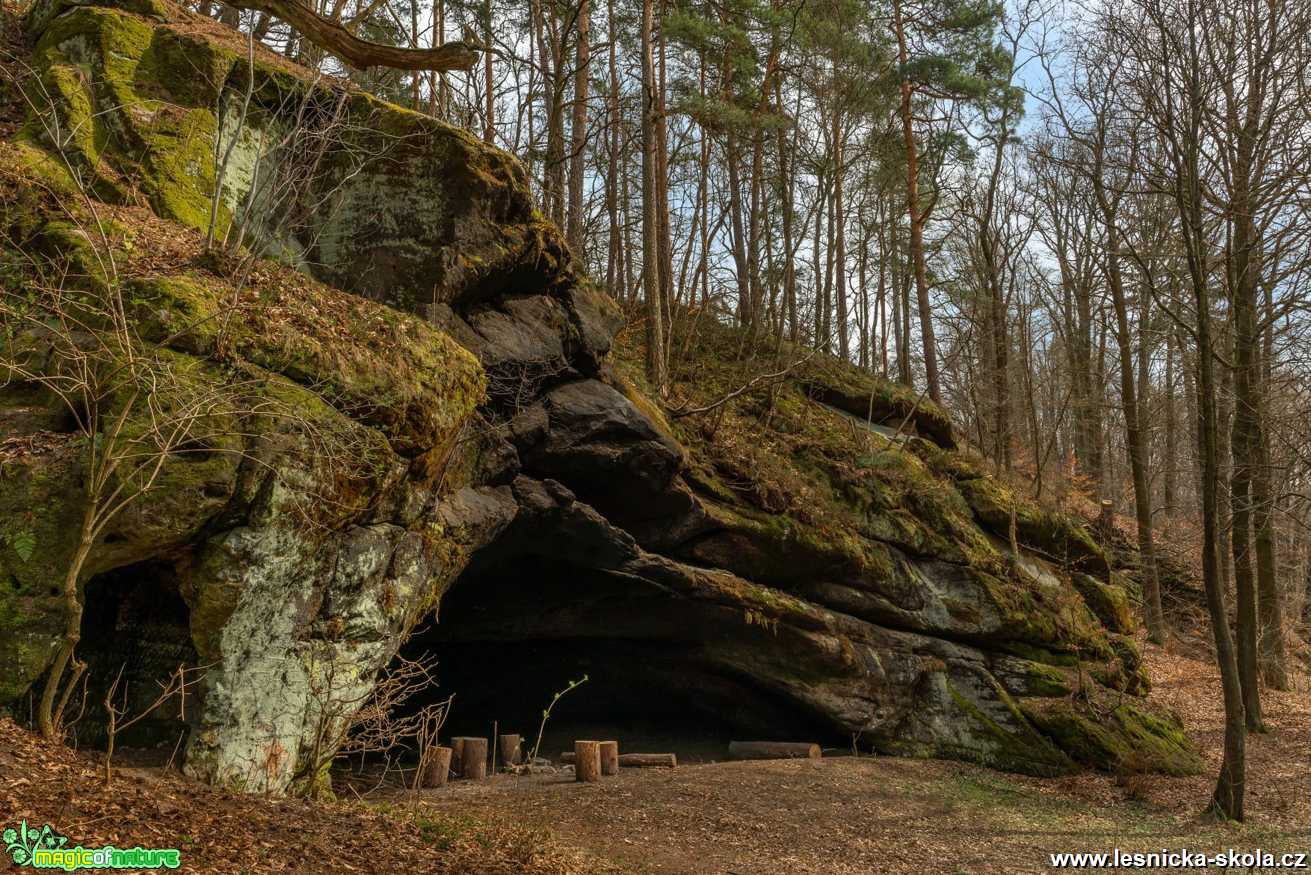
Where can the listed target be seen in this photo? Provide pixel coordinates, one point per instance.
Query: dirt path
(848, 815)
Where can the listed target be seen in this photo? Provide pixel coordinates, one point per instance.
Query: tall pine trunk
(578, 130)
(930, 346)
(651, 284)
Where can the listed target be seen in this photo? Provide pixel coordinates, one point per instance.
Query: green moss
(1045, 680)
(1044, 622)
(1108, 602)
(644, 405)
(42, 12)
(1024, 751)
(368, 374)
(785, 551)
(40, 496)
(866, 396)
(1123, 671)
(1035, 653)
(140, 102)
(381, 367)
(1050, 534)
(1114, 736)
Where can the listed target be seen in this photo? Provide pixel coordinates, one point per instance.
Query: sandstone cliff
(432, 323)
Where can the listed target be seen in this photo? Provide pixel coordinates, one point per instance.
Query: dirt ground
(837, 815)
(878, 814)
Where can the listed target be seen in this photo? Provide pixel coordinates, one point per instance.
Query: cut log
(457, 755)
(587, 761)
(508, 749)
(647, 760)
(609, 757)
(633, 760)
(473, 759)
(436, 767)
(773, 750)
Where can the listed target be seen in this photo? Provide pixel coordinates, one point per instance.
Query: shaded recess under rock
(512, 462)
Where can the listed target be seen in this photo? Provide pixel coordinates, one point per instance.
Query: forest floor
(835, 815)
(881, 814)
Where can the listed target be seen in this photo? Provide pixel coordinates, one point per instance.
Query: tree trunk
(840, 239)
(785, 157)
(916, 218)
(817, 279)
(578, 130)
(489, 88)
(48, 718)
(614, 256)
(1243, 446)
(1136, 438)
(1228, 798)
(664, 241)
(1270, 596)
(1171, 460)
(651, 284)
(740, 265)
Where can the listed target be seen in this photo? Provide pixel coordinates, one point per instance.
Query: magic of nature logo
(45, 848)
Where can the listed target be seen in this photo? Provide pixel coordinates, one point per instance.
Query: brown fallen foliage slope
(228, 833)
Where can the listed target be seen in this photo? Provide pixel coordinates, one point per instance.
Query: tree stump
(587, 761)
(508, 747)
(609, 757)
(1106, 521)
(773, 750)
(457, 755)
(437, 766)
(473, 759)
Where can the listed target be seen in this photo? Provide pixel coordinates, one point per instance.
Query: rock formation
(447, 338)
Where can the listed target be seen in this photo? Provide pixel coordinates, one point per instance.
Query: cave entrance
(513, 633)
(134, 620)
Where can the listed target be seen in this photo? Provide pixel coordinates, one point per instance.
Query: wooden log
(437, 766)
(773, 750)
(457, 755)
(633, 760)
(587, 761)
(609, 757)
(1106, 521)
(647, 760)
(473, 759)
(508, 748)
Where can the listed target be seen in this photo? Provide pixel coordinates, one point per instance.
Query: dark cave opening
(134, 622)
(513, 633)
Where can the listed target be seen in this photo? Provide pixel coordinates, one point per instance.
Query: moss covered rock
(426, 386)
(319, 423)
(1115, 735)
